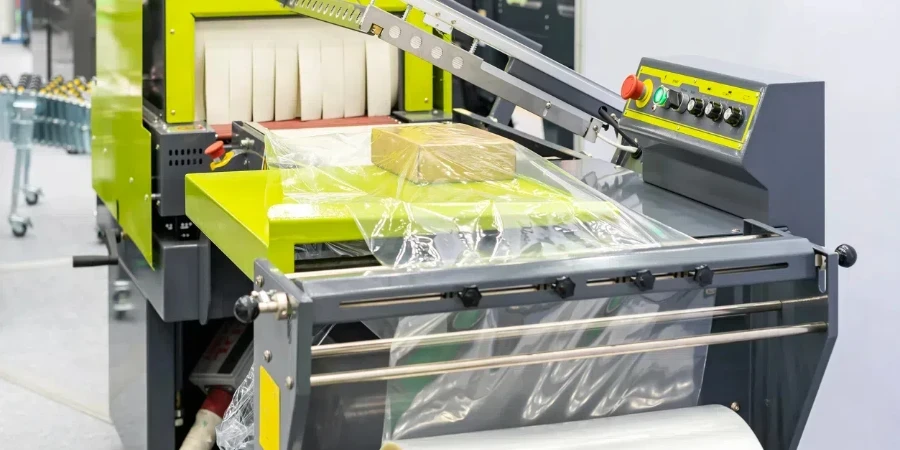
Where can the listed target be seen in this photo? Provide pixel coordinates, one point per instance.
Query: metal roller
(439, 368)
(350, 348)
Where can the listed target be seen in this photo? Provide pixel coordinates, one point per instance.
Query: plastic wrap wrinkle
(424, 197)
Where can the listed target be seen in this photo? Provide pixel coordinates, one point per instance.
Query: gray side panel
(174, 288)
(787, 154)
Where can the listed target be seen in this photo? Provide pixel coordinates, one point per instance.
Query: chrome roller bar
(353, 348)
(439, 368)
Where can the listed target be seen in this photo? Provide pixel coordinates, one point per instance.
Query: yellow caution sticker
(269, 411)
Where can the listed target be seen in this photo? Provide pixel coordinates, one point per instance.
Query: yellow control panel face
(707, 110)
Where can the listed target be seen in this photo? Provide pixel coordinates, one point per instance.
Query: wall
(852, 45)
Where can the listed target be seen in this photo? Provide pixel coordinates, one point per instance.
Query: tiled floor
(53, 319)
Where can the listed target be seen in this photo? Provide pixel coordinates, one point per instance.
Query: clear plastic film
(446, 195)
(426, 197)
(237, 429)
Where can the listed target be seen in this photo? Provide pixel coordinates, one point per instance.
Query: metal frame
(464, 64)
(758, 263)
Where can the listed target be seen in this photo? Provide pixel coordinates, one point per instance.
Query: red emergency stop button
(632, 88)
(216, 150)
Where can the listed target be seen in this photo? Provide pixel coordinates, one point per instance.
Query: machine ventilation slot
(732, 270)
(525, 289)
(608, 281)
(186, 157)
(391, 301)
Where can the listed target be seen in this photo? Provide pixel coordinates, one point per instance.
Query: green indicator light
(660, 96)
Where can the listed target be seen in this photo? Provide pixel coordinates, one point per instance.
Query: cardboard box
(443, 153)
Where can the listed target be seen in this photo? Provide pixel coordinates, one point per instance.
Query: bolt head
(267, 355)
(289, 382)
(259, 281)
(735, 406)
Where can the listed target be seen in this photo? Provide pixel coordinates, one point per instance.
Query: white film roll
(700, 428)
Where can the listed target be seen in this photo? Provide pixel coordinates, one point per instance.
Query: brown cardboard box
(443, 153)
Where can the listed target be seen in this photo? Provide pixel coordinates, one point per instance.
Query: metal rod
(418, 370)
(353, 348)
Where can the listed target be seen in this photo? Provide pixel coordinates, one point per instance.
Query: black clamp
(644, 280)
(470, 296)
(703, 275)
(564, 287)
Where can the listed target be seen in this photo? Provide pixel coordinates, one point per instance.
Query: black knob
(703, 275)
(675, 100)
(846, 255)
(644, 280)
(733, 116)
(713, 111)
(696, 106)
(246, 309)
(470, 296)
(564, 286)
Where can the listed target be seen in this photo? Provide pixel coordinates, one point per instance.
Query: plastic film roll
(700, 428)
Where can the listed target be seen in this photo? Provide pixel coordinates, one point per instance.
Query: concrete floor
(53, 318)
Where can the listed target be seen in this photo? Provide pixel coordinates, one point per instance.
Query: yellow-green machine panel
(122, 158)
(259, 221)
(121, 155)
(181, 16)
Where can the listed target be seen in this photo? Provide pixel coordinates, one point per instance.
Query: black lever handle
(94, 261)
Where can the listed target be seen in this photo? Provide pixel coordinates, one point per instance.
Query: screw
(104, 150)
(735, 406)
(146, 197)
(426, 99)
(267, 355)
(172, 112)
(736, 231)
(474, 46)
(546, 27)
(259, 281)
(283, 315)
(172, 31)
(711, 291)
(595, 128)
(548, 105)
(289, 382)
(130, 179)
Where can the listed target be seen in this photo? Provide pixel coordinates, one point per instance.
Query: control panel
(691, 105)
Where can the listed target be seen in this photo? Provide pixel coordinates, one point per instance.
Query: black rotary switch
(696, 106)
(713, 111)
(733, 116)
(675, 100)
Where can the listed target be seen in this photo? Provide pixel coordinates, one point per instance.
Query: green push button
(660, 96)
